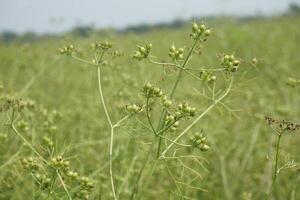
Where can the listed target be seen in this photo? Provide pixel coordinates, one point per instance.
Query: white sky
(59, 15)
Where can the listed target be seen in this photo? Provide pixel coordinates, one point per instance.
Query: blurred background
(57, 16)
(263, 34)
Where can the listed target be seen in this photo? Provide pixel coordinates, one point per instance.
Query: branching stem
(275, 171)
(198, 118)
(161, 123)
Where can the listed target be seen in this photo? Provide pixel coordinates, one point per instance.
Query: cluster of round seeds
(47, 141)
(67, 50)
(143, 51)
(185, 110)
(199, 30)
(102, 46)
(133, 108)
(42, 181)
(174, 127)
(151, 91)
(167, 103)
(31, 164)
(176, 54)
(207, 76)
(293, 82)
(199, 141)
(86, 187)
(170, 118)
(72, 174)
(23, 125)
(230, 63)
(17, 104)
(60, 163)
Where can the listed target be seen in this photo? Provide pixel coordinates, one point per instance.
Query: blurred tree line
(87, 31)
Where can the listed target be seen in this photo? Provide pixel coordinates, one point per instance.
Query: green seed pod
(194, 27)
(172, 49)
(167, 103)
(204, 147)
(192, 112)
(170, 118)
(193, 35)
(226, 58)
(178, 115)
(207, 33)
(137, 54)
(231, 58)
(142, 50)
(172, 54)
(236, 62)
(180, 57)
(176, 124)
(180, 106)
(149, 46)
(202, 27)
(180, 50)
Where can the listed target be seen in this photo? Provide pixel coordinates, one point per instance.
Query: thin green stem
(64, 185)
(148, 116)
(198, 118)
(111, 132)
(98, 59)
(161, 123)
(167, 127)
(102, 97)
(41, 157)
(275, 171)
(136, 184)
(83, 60)
(27, 143)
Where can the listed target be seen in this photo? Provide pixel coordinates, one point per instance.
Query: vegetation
(170, 114)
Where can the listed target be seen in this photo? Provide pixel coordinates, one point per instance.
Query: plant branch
(199, 117)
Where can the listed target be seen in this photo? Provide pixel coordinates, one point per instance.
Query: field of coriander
(206, 111)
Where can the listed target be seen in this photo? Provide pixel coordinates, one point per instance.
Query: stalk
(275, 170)
(111, 133)
(161, 123)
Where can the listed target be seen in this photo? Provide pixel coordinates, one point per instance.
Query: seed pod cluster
(102, 46)
(143, 51)
(293, 82)
(43, 181)
(48, 142)
(67, 50)
(200, 30)
(283, 125)
(17, 104)
(207, 76)
(199, 141)
(133, 108)
(86, 186)
(151, 91)
(176, 54)
(166, 102)
(60, 163)
(230, 63)
(30, 164)
(185, 110)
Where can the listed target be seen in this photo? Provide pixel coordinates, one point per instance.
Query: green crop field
(159, 115)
